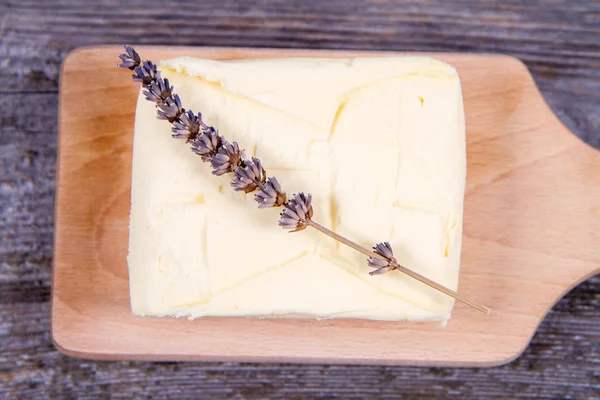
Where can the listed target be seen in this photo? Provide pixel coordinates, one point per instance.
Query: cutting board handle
(526, 166)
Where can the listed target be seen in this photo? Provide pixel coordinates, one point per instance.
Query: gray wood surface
(558, 40)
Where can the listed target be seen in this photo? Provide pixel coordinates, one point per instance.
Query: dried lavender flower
(270, 195)
(187, 126)
(207, 144)
(297, 213)
(171, 109)
(248, 176)
(227, 159)
(130, 59)
(146, 73)
(158, 91)
(383, 266)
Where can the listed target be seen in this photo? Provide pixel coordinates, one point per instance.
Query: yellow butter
(378, 142)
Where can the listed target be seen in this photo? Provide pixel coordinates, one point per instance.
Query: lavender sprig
(249, 175)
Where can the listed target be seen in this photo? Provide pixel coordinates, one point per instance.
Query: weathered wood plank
(559, 41)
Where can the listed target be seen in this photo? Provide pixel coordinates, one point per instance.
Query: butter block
(380, 144)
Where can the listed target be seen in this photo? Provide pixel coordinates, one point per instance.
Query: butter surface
(380, 144)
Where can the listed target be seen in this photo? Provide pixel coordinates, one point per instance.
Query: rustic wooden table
(559, 41)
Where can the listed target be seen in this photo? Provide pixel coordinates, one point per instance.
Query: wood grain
(530, 181)
(557, 40)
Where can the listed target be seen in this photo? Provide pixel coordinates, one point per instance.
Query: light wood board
(531, 229)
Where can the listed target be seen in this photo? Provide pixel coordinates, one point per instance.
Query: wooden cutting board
(531, 229)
